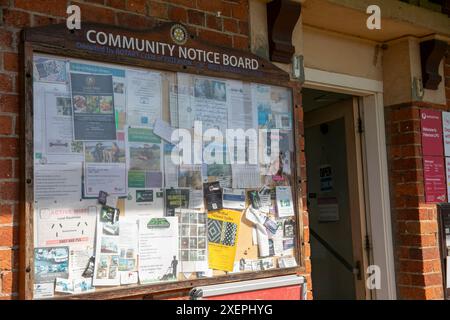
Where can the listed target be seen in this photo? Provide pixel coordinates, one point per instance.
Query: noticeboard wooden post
(166, 48)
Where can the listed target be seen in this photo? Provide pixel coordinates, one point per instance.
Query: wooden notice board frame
(58, 40)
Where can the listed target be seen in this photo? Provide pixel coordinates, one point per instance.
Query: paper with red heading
(434, 179)
(431, 128)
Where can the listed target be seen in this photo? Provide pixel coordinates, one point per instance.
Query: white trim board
(376, 182)
(319, 79)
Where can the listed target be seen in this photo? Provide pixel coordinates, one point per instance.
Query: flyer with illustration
(158, 249)
(223, 229)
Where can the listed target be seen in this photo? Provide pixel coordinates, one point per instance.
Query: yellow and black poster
(223, 229)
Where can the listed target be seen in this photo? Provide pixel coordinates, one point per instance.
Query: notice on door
(431, 128)
(434, 176)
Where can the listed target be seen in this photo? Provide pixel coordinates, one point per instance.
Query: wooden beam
(282, 16)
(431, 54)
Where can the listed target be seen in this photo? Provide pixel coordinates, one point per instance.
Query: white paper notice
(446, 132)
(109, 178)
(148, 202)
(128, 277)
(44, 290)
(62, 225)
(163, 130)
(182, 112)
(39, 123)
(105, 167)
(285, 207)
(245, 176)
(78, 261)
(233, 198)
(144, 98)
(170, 168)
(211, 103)
(242, 114)
(128, 244)
(58, 182)
(261, 232)
(448, 272)
(158, 249)
(59, 144)
(196, 199)
(287, 262)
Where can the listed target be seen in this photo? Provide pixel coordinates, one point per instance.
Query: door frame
(348, 110)
(374, 159)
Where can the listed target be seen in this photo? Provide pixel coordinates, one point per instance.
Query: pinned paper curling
(261, 232)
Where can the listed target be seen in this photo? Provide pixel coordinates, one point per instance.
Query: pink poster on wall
(431, 128)
(434, 179)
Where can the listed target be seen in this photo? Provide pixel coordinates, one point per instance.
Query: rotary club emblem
(179, 34)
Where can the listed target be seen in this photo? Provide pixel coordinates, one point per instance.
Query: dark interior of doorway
(331, 242)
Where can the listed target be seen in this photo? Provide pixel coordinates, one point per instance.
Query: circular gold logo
(179, 34)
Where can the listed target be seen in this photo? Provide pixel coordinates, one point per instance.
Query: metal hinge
(360, 126)
(367, 244)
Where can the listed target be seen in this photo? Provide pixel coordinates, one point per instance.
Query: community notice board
(144, 176)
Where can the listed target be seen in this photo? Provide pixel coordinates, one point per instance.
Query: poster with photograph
(149, 202)
(49, 69)
(64, 285)
(158, 249)
(210, 103)
(105, 167)
(223, 230)
(107, 255)
(176, 199)
(145, 156)
(67, 224)
(273, 105)
(144, 96)
(119, 86)
(50, 263)
(93, 107)
(193, 240)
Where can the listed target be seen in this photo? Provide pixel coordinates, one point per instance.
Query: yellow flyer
(223, 229)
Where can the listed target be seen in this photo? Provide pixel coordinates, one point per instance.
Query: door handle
(357, 270)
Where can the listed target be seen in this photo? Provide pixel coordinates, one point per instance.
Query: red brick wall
(416, 245)
(418, 269)
(230, 29)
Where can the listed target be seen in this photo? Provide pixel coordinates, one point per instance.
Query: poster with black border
(93, 107)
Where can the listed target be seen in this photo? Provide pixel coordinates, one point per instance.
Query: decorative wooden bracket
(431, 54)
(282, 16)
(446, 7)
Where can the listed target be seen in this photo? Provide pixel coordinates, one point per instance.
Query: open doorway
(335, 195)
